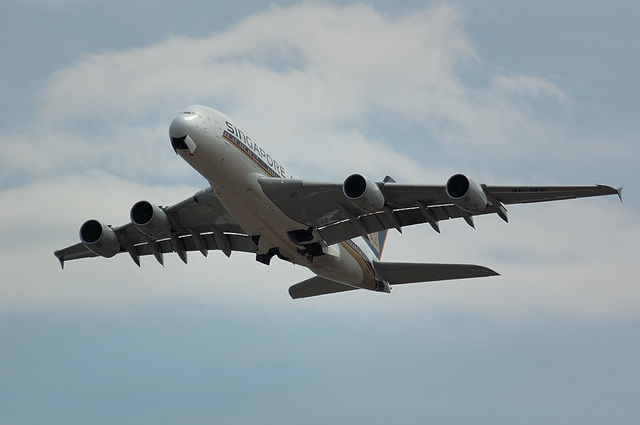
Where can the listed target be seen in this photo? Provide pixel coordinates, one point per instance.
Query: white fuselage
(233, 162)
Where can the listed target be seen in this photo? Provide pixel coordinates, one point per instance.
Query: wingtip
(292, 295)
(60, 258)
(489, 272)
(611, 190)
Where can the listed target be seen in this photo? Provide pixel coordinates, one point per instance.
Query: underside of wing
(317, 286)
(400, 273)
(385, 205)
(312, 203)
(73, 252)
(199, 223)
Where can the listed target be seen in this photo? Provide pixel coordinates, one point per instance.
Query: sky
(535, 93)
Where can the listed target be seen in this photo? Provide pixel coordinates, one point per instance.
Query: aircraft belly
(349, 268)
(234, 179)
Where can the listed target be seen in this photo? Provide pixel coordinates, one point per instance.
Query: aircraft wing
(199, 223)
(325, 207)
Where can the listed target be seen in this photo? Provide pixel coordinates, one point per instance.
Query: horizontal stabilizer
(399, 273)
(317, 286)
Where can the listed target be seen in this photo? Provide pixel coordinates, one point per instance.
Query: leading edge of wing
(401, 273)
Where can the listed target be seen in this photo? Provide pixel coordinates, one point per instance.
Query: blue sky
(507, 92)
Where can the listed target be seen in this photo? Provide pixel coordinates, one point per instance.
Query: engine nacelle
(466, 194)
(364, 194)
(150, 220)
(99, 238)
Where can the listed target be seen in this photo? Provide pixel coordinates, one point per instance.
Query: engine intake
(99, 238)
(364, 194)
(150, 220)
(466, 194)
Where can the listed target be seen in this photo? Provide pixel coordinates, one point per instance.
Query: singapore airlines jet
(337, 230)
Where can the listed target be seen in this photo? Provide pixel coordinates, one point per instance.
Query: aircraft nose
(179, 126)
(179, 132)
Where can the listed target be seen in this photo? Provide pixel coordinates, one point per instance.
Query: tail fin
(377, 240)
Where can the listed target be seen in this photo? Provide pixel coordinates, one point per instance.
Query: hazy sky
(506, 92)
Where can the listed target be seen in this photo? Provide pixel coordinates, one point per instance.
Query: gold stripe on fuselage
(368, 274)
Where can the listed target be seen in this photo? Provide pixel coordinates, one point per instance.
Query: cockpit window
(191, 115)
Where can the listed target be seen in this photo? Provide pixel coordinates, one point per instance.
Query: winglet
(60, 258)
(619, 190)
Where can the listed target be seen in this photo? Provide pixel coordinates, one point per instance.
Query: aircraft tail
(394, 274)
(377, 240)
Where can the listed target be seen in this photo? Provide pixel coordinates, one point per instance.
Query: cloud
(528, 86)
(312, 74)
(331, 91)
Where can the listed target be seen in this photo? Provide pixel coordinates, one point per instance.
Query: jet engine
(99, 238)
(150, 220)
(364, 194)
(466, 194)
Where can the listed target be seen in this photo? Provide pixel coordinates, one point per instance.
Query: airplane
(255, 204)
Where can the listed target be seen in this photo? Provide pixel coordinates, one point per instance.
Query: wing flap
(317, 286)
(345, 230)
(240, 243)
(401, 273)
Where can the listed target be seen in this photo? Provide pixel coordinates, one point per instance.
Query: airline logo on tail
(376, 240)
(376, 243)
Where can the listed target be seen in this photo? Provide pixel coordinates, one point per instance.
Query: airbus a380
(256, 204)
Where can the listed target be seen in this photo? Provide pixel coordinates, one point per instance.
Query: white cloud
(315, 72)
(528, 86)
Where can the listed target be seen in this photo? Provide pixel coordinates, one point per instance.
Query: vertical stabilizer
(376, 240)
(376, 243)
